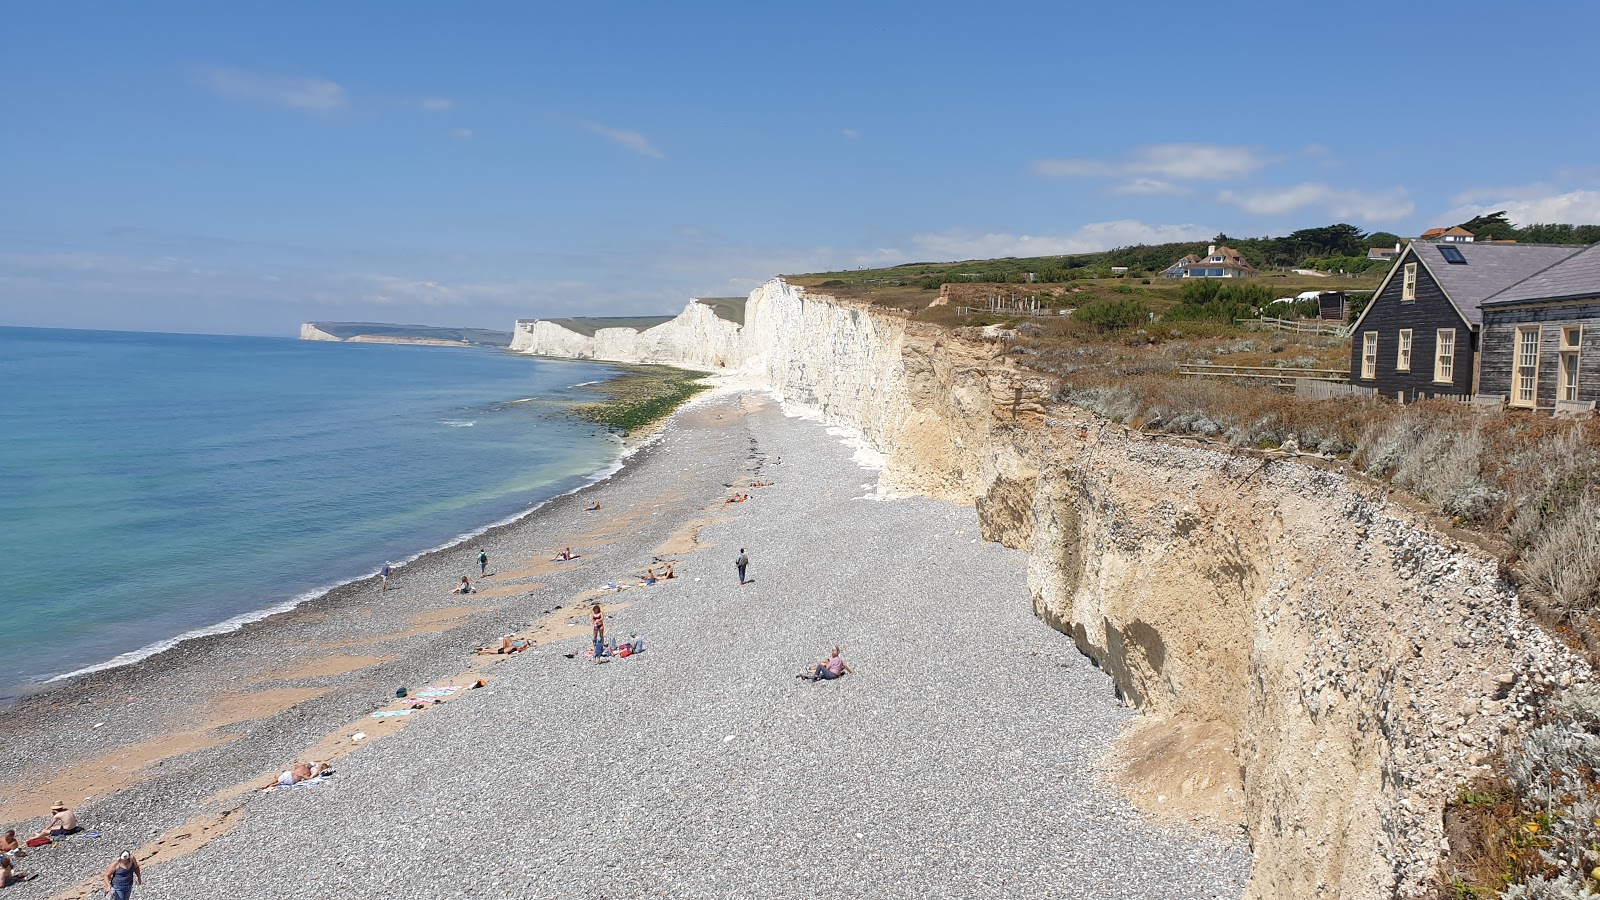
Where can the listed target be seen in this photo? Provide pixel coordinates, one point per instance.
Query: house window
(1403, 362)
(1571, 347)
(1216, 259)
(1525, 374)
(1444, 362)
(1369, 354)
(1408, 288)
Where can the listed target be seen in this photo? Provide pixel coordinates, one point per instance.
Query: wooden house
(1418, 335)
(1541, 337)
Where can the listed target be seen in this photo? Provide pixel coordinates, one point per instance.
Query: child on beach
(465, 587)
(8, 875)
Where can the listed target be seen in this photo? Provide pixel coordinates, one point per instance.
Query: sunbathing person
(297, 773)
(63, 821)
(508, 644)
(649, 576)
(8, 875)
(565, 556)
(829, 669)
(465, 587)
(669, 572)
(592, 507)
(8, 842)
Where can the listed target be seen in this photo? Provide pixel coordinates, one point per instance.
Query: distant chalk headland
(381, 333)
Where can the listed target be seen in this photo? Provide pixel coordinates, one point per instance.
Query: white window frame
(1369, 355)
(1402, 362)
(1408, 283)
(1519, 368)
(1444, 364)
(1569, 363)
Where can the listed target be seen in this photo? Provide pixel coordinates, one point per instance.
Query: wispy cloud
(1187, 162)
(961, 244)
(1344, 203)
(851, 133)
(461, 134)
(437, 104)
(1532, 205)
(1149, 186)
(307, 94)
(633, 140)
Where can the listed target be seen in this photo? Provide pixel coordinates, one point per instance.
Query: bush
(1108, 315)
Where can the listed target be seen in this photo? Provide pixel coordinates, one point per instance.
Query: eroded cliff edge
(1310, 658)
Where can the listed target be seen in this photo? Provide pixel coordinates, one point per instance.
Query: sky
(240, 168)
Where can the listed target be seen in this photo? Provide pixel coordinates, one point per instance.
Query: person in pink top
(829, 669)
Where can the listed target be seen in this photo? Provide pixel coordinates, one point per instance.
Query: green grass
(641, 396)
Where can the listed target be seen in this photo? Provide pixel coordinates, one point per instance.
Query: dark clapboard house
(1418, 335)
(1541, 337)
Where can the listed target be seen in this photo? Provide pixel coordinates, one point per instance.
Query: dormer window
(1217, 258)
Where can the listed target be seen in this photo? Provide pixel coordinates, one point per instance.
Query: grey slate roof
(1489, 269)
(1577, 275)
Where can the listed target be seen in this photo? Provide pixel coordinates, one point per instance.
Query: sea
(155, 487)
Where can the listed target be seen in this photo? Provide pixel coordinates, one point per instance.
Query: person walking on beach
(483, 562)
(121, 875)
(384, 574)
(742, 563)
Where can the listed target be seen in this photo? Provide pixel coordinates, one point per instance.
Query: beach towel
(384, 714)
(441, 689)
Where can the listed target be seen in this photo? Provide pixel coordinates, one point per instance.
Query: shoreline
(629, 447)
(192, 723)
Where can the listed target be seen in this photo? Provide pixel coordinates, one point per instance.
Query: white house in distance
(1219, 262)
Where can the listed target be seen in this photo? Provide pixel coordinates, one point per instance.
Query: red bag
(39, 842)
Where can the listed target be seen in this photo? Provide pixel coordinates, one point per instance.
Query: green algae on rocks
(641, 396)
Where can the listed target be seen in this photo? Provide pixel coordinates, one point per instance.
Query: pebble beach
(964, 758)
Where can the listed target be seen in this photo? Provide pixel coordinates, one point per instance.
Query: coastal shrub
(1109, 315)
(1564, 557)
(1562, 887)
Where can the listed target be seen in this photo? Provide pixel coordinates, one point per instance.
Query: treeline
(1199, 300)
(1331, 248)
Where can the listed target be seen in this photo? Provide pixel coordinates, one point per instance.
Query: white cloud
(1532, 205)
(633, 140)
(1149, 186)
(437, 104)
(1344, 203)
(960, 244)
(461, 133)
(309, 94)
(851, 133)
(1200, 162)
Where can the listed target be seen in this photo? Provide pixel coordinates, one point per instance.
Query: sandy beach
(962, 760)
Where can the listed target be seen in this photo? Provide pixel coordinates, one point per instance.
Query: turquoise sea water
(155, 485)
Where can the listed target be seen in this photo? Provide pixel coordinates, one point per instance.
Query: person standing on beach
(483, 562)
(384, 574)
(121, 875)
(742, 563)
(597, 625)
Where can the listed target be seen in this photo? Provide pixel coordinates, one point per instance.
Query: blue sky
(206, 167)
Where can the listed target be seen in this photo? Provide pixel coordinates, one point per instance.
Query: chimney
(1211, 249)
(1397, 246)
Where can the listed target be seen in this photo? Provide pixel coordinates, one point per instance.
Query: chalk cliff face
(697, 338)
(310, 332)
(1312, 660)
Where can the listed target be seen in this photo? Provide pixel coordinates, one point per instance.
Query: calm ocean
(156, 485)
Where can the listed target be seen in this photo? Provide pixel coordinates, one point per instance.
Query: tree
(1383, 239)
(1491, 227)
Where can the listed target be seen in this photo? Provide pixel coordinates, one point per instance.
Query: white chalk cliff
(1314, 662)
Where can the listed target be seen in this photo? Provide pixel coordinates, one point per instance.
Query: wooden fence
(1312, 389)
(1281, 377)
(1297, 326)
